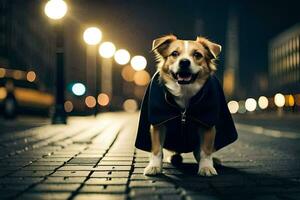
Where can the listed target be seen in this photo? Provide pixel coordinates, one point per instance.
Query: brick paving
(96, 159)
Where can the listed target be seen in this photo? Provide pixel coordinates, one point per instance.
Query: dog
(183, 70)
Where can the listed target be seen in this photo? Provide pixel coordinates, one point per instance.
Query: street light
(122, 56)
(56, 10)
(138, 63)
(107, 49)
(92, 36)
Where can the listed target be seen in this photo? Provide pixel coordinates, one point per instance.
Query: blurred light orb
(242, 108)
(263, 102)
(90, 101)
(92, 36)
(233, 106)
(141, 78)
(2, 72)
(297, 99)
(107, 49)
(291, 100)
(130, 105)
(17, 74)
(122, 56)
(3, 93)
(128, 73)
(138, 63)
(279, 100)
(250, 104)
(103, 99)
(56, 9)
(31, 76)
(78, 89)
(68, 105)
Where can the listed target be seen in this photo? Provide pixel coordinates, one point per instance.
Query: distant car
(22, 96)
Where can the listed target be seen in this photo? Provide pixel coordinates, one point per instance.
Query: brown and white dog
(184, 66)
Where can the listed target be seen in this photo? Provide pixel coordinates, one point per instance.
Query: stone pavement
(96, 159)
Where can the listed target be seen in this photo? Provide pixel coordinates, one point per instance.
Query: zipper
(183, 117)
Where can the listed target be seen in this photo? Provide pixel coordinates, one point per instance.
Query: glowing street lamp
(92, 36)
(56, 10)
(122, 56)
(107, 49)
(138, 63)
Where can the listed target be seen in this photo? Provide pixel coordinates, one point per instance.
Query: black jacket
(207, 108)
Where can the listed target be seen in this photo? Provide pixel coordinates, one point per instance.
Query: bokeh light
(103, 99)
(263, 102)
(90, 101)
(107, 49)
(297, 99)
(130, 105)
(250, 104)
(31, 76)
(141, 78)
(78, 89)
(3, 93)
(279, 100)
(128, 73)
(233, 106)
(56, 9)
(2, 72)
(92, 36)
(17, 74)
(122, 56)
(291, 100)
(68, 105)
(138, 63)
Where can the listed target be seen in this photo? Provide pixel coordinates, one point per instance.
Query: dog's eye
(197, 55)
(175, 54)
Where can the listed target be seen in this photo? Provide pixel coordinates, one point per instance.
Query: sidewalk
(96, 159)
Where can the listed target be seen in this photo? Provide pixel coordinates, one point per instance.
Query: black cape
(207, 108)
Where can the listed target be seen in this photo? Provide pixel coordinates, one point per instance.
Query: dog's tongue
(184, 78)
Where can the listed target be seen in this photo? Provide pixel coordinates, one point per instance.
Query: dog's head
(185, 61)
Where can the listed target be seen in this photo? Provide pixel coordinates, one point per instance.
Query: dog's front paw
(206, 168)
(155, 165)
(152, 170)
(207, 171)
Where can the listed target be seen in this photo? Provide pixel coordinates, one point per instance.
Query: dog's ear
(160, 44)
(213, 48)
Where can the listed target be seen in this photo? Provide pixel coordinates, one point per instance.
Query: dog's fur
(183, 84)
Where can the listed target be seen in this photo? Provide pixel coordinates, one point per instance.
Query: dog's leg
(206, 167)
(157, 139)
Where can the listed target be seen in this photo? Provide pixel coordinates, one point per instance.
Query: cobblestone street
(94, 158)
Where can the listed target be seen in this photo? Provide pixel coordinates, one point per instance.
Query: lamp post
(106, 51)
(56, 10)
(92, 36)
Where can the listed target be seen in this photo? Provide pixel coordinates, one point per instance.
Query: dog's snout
(184, 63)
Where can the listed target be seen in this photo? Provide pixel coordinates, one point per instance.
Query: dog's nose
(184, 63)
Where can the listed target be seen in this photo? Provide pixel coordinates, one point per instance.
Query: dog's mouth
(184, 77)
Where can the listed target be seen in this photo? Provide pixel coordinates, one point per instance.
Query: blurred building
(284, 65)
(26, 41)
